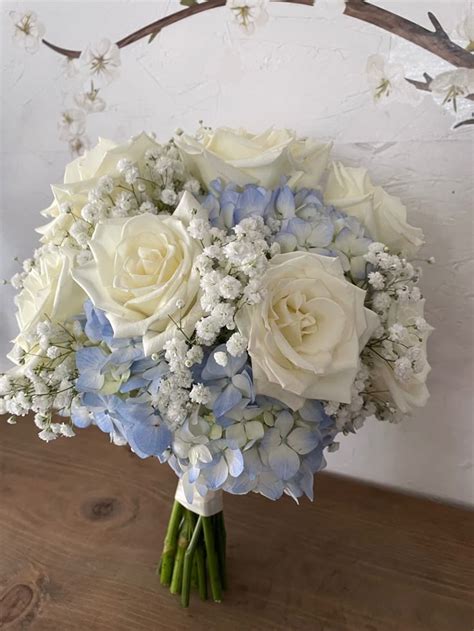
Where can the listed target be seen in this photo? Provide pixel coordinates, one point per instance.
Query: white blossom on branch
(27, 30)
(387, 81)
(101, 61)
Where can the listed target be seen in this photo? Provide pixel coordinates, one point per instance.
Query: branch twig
(426, 85)
(436, 42)
(469, 121)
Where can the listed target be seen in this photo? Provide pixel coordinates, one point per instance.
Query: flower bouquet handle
(194, 550)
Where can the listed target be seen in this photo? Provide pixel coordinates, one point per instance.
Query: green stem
(188, 559)
(221, 547)
(200, 561)
(183, 541)
(169, 547)
(212, 561)
(194, 573)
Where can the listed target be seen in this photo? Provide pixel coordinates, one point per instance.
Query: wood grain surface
(82, 523)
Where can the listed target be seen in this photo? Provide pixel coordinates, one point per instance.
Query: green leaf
(188, 3)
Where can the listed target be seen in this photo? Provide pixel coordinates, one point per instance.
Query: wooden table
(82, 523)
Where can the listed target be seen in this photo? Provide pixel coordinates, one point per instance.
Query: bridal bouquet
(228, 303)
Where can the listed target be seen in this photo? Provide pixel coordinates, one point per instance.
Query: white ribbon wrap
(206, 506)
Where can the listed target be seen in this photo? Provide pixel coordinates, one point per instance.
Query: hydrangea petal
(312, 411)
(284, 461)
(235, 461)
(241, 485)
(303, 440)
(235, 435)
(254, 430)
(285, 203)
(244, 384)
(284, 423)
(216, 474)
(151, 440)
(91, 380)
(229, 398)
(271, 439)
(269, 486)
(91, 358)
(315, 460)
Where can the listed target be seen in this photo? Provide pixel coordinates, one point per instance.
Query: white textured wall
(297, 71)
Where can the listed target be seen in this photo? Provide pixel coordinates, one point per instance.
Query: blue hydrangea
(227, 206)
(113, 376)
(244, 443)
(261, 445)
(231, 386)
(303, 221)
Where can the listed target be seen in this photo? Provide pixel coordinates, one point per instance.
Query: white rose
(237, 156)
(49, 291)
(305, 338)
(384, 216)
(412, 393)
(142, 266)
(82, 174)
(87, 166)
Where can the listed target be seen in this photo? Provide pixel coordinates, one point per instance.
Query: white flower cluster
(399, 344)
(46, 383)
(178, 395)
(17, 280)
(352, 416)
(155, 185)
(394, 279)
(397, 348)
(98, 65)
(231, 268)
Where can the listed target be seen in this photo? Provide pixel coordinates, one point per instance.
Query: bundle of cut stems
(194, 554)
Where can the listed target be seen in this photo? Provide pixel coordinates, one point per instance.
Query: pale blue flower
(147, 434)
(228, 206)
(351, 246)
(300, 234)
(104, 372)
(97, 327)
(229, 463)
(116, 365)
(106, 412)
(129, 420)
(90, 363)
(231, 386)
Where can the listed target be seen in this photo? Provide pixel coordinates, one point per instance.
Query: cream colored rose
(49, 291)
(414, 392)
(141, 267)
(237, 156)
(305, 338)
(384, 216)
(82, 175)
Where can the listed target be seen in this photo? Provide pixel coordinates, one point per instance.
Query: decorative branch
(436, 42)
(150, 30)
(155, 27)
(425, 85)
